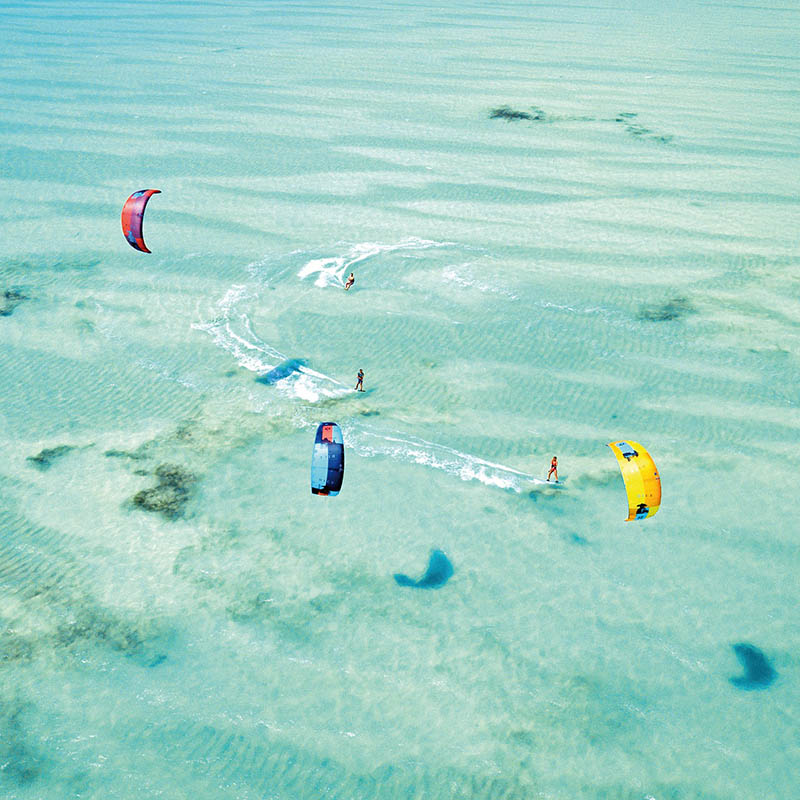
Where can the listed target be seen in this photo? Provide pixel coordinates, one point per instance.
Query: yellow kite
(641, 479)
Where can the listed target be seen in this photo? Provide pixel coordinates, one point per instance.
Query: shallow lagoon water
(624, 266)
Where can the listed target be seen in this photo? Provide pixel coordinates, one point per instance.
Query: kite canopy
(327, 460)
(640, 475)
(132, 214)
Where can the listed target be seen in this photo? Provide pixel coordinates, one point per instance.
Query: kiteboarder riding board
(327, 460)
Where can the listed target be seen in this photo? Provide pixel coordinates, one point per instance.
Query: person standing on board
(360, 381)
(350, 281)
(553, 468)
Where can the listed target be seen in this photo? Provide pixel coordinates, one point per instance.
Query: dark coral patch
(635, 129)
(135, 456)
(512, 115)
(9, 300)
(674, 309)
(171, 494)
(22, 763)
(45, 458)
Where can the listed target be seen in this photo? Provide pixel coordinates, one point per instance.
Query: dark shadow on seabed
(439, 571)
(283, 370)
(758, 672)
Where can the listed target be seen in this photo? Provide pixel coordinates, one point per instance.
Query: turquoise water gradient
(625, 266)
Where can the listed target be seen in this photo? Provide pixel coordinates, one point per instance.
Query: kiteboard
(541, 483)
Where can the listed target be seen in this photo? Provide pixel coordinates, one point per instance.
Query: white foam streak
(321, 375)
(419, 451)
(330, 271)
(311, 386)
(232, 330)
(464, 279)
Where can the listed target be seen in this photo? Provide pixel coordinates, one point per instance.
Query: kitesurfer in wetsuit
(350, 281)
(553, 468)
(360, 381)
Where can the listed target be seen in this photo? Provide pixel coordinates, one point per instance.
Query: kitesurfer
(553, 468)
(360, 381)
(350, 281)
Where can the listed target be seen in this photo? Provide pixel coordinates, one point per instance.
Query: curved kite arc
(327, 460)
(642, 483)
(132, 215)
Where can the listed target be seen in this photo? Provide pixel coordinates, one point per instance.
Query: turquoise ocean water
(622, 264)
